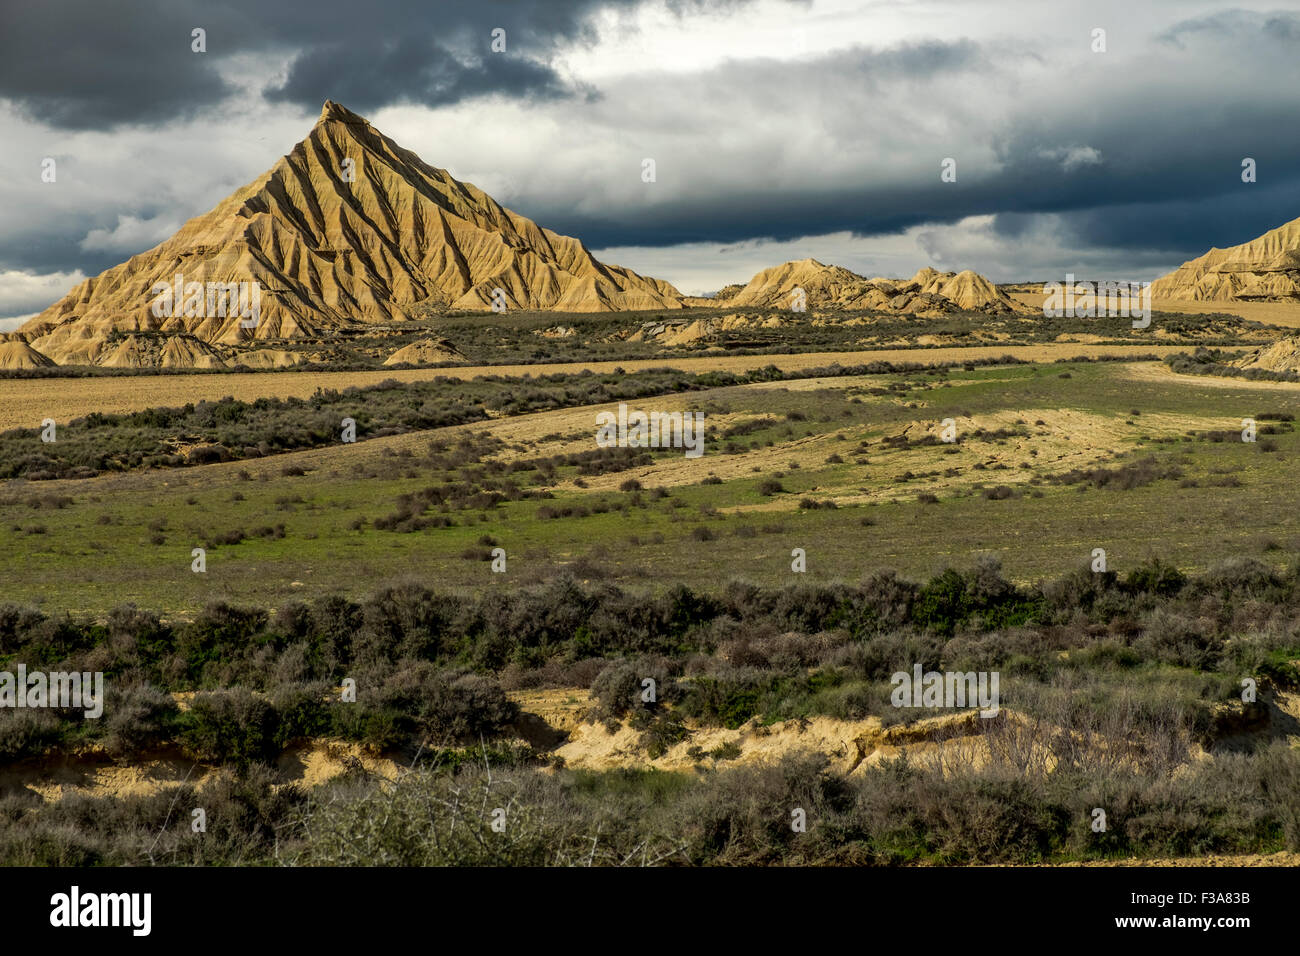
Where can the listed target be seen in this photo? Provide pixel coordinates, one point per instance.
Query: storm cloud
(777, 128)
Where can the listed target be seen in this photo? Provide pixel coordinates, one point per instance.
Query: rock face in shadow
(348, 228)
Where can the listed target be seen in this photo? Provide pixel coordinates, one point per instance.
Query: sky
(779, 129)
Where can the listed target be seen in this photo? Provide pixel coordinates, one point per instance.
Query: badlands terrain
(896, 472)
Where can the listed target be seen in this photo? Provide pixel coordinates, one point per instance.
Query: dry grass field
(24, 403)
(1284, 314)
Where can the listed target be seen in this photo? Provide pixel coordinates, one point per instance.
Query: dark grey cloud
(1189, 225)
(1138, 150)
(922, 59)
(59, 245)
(1167, 176)
(84, 64)
(87, 64)
(439, 53)
(52, 245)
(1161, 182)
(412, 69)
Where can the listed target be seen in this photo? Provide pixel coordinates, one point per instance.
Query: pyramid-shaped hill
(425, 352)
(1266, 269)
(774, 287)
(347, 228)
(15, 353)
(929, 292)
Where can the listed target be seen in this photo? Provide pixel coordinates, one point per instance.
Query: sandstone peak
(834, 287)
(1265, 269)
(337, 111)
(15, 353)
(347, 228)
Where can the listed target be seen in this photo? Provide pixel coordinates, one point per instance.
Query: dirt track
(1153, 372)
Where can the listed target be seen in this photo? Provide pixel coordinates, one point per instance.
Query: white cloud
(8, 325)
(121, 192)
(1042, 251)
(1045, 249)
(131, 235)
(23, 294)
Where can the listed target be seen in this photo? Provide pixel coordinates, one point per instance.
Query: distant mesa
(823, 286)
(146, 350)
(1266, 269)
(929, 292)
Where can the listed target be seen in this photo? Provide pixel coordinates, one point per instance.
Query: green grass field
(129, 537)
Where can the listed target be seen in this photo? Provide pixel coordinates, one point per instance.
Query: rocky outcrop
(15, 353)
(348, 228)
(1264, 269)
(929, 292)
(425, 352)
(1281, 356)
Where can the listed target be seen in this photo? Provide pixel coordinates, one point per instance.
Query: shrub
(230, 726)
(28, 732)
(468, 706)
(618, 689)
(1156, 577)
(137, 718)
